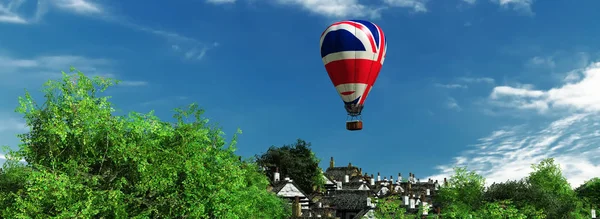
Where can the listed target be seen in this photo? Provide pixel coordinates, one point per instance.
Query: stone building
(351, 194)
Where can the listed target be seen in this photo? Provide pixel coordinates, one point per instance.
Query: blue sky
(492, 84)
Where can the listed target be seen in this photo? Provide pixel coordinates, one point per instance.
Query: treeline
(82, 161)
(545, 193)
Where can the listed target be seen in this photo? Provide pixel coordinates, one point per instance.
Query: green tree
(590, 191)
(519, 193)
(85, 162)
(554, 194)
(296, 161)
(501, 210)
(463, 194)
(390, 207)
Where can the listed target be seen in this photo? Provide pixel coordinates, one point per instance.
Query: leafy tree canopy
(464, 190)
(296, 161)
(590, 191)
(85, 162)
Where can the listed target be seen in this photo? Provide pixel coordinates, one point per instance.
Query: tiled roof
(277, 186)
(349, 199)
(338, 173)
(352, 185)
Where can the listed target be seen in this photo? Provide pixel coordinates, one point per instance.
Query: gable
(290, 191)
(363, 187)
(383, 191)
(327, 180)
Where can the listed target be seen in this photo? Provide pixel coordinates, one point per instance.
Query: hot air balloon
(353, 52)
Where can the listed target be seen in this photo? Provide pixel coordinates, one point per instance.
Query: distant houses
(351, 194)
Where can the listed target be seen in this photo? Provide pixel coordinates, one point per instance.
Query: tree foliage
(85, 162)
(464, 191)
(590, 191)
(296, 161)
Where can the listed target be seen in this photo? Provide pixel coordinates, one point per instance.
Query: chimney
(349, 165)
(276, 175)
(405, 201)
(346, 179)
(331, 163)
(399, 178)
(369, 202)
(296, 212)
(372, 181)
(425, 205)
(428, 192)
(391, 179)
(360, 171)
(437, 185)
(445, 182)
(378, 177)
(593, 213)
(418, 180)
(385, 179)
(411, 201)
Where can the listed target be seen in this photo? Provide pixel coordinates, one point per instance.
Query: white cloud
(470, 1)
(582, 95)
(477, 80)
(184, 44)
(8, 14)
(509, 152)
(416, 5)
(78, 6)
(523, 6)
(220, 1)
(334, 8)
(547, 62)
(450, 86)
(13, 70)
(11, 12)
(451, 103)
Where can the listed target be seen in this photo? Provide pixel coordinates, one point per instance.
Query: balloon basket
(354, 125)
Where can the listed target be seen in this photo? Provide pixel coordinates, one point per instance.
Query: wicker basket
(354, 125)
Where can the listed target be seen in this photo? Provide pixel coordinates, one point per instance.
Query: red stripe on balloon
(352, 71)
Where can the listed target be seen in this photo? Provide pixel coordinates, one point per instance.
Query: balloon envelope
(353, 52)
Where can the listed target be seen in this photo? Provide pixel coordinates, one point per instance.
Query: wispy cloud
(523, 6)
(353, 8)
(572, 139)
(9, 13)
(334, 8)
(451, 86)
(581, 96)
(508, 153)
(546, 62)
(79, 6)
(476, 80)
(416, 5)
(452, 104)
(16, 71)
(221, 1)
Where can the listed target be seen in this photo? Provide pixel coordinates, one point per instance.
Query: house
(351, 194)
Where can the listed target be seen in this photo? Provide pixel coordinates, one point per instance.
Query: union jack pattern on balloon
(353, 52)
